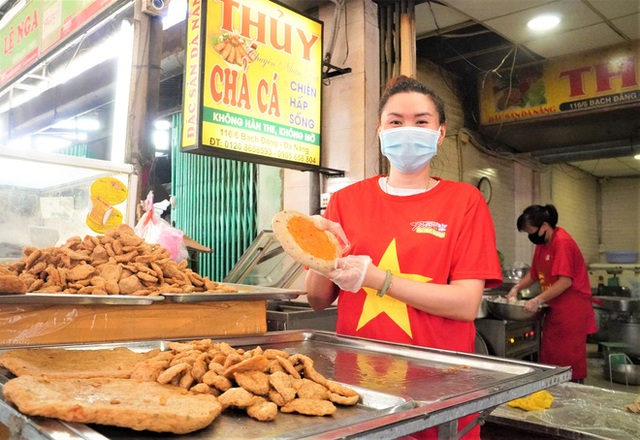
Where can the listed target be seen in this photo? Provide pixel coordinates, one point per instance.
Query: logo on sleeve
(430, 227)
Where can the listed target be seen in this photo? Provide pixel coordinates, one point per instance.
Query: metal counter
(405, 389)
(578, 412)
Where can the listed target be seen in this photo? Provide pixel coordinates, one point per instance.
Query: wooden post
(407, 39)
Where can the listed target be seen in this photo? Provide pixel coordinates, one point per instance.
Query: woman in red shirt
(422, 248)
(561, 270)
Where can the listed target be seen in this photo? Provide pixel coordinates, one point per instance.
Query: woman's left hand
(350, 271)
(532, 305)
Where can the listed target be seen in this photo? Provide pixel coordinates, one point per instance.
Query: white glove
(327, 225)
(532, 305)
(350, 271)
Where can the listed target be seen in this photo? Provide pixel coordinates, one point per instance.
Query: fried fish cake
(263, 410)
(254, 381)
(237, 397)
(118, 402)
(59, 362)
(309, 389)
(11, 284)
(309, 407)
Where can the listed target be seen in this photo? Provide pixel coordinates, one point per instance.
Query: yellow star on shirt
(396, 310)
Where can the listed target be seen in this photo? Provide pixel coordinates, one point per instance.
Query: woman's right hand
(335, 228)
(513, 294)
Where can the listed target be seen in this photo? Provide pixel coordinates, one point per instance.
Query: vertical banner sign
(192, 76)
(595, 80)
(253, 83)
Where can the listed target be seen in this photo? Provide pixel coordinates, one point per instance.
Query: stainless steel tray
(245, 293)
(619, 304)
(406, 389)
(70, 298)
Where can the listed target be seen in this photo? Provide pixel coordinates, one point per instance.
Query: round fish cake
(308, 245)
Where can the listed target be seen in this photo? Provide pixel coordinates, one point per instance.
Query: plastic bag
(156, 230)
(533, 402)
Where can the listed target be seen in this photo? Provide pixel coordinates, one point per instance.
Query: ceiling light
(543, 22)
(81, 123)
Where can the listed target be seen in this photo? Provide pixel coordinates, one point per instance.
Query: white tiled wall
(621, 214)
(574, 194)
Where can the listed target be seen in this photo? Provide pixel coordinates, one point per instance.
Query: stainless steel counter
(578, 412)
(405, 389)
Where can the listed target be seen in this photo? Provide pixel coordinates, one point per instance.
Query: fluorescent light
(543, 22)
(50, 143)
(123, 84)
(79, 136)
(162, 124)
(82, 123)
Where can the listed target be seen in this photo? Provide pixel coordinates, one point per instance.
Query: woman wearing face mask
(560, 267)
(422, 248)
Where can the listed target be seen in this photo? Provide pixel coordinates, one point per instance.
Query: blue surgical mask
(409, 149)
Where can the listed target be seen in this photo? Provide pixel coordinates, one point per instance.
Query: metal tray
(245, 293)
(406, 389)
(619, 304)
(70, 298)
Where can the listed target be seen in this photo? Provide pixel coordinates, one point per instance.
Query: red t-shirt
(561, 257)
(441, 235)
(570, 317)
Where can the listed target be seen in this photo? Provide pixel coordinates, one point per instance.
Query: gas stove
(510, 339)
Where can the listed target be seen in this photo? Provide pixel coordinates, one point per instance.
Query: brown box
(28, 325)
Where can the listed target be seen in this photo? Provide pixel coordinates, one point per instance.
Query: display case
(47, 198)
(265, 263)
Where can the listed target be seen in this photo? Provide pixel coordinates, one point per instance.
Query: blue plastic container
(620, 257)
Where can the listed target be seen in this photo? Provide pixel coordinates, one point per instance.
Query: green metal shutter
(215, 204)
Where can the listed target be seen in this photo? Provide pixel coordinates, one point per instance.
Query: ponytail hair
(536, 215)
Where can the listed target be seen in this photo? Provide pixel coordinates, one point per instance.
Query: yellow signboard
(591, 81)
(253, 82)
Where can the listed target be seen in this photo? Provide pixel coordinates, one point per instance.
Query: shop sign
(42, 25)
(253, 82)
(596, 80)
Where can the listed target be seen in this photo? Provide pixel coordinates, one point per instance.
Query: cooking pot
(483, 309)
(623, 373)
(516, 272)
(628, 331)
(499, 308)
(530, 292)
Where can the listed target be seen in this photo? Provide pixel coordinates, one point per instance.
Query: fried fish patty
(141, 406)
(59, 362)
(11, 284)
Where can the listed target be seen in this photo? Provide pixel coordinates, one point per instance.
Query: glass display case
(47, 198)
(265, 263)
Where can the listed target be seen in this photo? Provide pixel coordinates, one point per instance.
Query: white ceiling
(586, 25)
